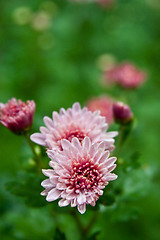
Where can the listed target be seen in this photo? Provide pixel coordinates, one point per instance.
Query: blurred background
(55, 52)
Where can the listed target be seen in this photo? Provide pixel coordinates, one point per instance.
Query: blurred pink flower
(105, 3)
(73, 122)
(126, 75)
(122, 113)
(80, 173)
(104, 105)
(17, 115)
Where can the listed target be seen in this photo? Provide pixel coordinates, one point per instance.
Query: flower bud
(16, 115)
(122, 113)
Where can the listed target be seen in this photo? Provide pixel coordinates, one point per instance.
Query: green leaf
(28, 186)
(59, 235)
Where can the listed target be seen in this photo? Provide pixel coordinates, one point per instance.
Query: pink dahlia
(79, 175)
(73, 122)
(126, 75)
(104, 105)
(17, 115)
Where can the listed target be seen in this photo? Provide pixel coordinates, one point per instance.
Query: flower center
(75, 133)
(84, 176)
(71, 134)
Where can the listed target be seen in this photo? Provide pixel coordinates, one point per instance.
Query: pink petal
(53, 195)
(46, 184)
(81, 198)
(38, 138)
(86, 144)
(111, 177)
(48, 172)
(104, 157)
(65, 144)
(111, 134)
(48, 122)
(82, 208)
(61, 186)
(63, 203)
(76, 107)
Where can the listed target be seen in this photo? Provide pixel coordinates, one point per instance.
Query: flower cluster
(126, 75)
(79, 147)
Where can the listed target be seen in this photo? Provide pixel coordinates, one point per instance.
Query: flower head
(73, 122)
(104, 105)
(126, 75)
(80, 173)
(17, 115)
(122, 113)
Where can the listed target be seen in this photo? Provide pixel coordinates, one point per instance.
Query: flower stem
(37, 157)
(91, 223)
(124, 131)
(84, 231)
(79, 224)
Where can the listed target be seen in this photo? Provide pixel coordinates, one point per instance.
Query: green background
(56, 65)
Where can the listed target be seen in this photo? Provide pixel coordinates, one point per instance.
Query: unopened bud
(122, 113)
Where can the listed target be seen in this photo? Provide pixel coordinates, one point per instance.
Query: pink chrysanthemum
(17, 115)
(80, 173)
(104, 105)
(126, 75)
(73, 122)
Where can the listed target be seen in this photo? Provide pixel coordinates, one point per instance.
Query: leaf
(28, 186)
(94, 235)
(59, 235)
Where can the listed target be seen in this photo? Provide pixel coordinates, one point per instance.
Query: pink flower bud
(17, 115)
(122, 113)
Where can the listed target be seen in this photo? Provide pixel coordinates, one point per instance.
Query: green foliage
(28, 186)
(51, 52)
(58, 235)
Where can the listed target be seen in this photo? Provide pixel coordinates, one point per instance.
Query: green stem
(79, 224)
(84, 231)
(37, 157)
(120, 142)
(124, 131)
(91, 223)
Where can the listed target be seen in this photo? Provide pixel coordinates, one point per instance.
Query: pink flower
(105, 3)
(122, 113)
(126, 75)
(104, 105)
(73, 122)
(17, 115)
(79, 175)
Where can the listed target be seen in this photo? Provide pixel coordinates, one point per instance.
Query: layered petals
(73, 122)
(81, 178)
(16, 115)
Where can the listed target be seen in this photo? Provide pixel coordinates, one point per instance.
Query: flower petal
(82, 208)
(53, 195)
(38, 138)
